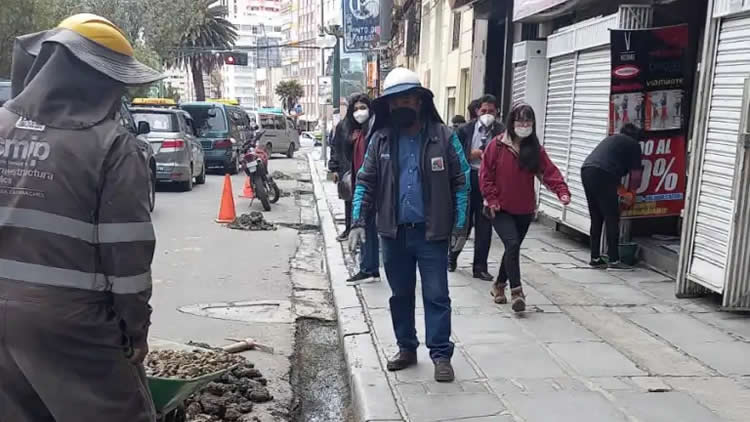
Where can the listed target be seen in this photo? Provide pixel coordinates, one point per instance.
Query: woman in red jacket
(510, 163)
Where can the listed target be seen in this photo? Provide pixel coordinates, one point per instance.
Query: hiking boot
(498, 292)
(363, 277)
(617, 265)
(517, 299)
(444, 370)
(483, 275)
(343, 236)
(598, 263)
(402, 360)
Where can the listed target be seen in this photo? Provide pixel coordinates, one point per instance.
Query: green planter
(629, 253)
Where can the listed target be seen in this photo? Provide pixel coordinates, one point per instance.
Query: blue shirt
(410, 201)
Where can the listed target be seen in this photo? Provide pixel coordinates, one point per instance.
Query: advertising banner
(361, 25)
(649, 85)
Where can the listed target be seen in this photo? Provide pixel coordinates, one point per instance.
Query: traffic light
(234, 58)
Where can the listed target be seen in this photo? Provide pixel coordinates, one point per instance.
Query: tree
(290, 92)
(211, 31)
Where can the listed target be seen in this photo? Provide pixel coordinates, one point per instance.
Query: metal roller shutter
(589, 126)
(557, 124)
(715, 205)
(519, 81)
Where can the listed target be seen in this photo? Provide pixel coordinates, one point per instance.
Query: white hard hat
(401, 80)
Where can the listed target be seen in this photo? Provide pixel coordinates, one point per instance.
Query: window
(456, 30)
(159, 122)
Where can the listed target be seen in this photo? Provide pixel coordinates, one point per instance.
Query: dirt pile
(253, 221)
(278, 175)
(229, 398)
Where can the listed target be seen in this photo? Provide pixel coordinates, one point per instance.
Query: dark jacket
(445, 191)
(466, 134)
(342, 149)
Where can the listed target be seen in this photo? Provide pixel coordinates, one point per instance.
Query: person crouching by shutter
(77, 241)
(510, 163)
(351, 144)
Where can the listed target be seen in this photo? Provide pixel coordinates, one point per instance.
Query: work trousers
(370, 252)
(62, 359)
(512, 229)
(401, 256)
(604, 209)
(482, 228)
(347, 216)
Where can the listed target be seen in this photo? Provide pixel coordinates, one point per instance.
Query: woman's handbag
(345, 187)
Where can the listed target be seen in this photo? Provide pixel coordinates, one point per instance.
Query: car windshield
(159, 122)
(205, 122)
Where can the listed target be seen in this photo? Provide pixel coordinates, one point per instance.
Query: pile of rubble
(278, 175)
(253, 221)
(229, 398)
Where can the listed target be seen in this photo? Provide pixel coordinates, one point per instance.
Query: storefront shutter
(519, 81)
(713, 221)
(557, 124)
(589, 126)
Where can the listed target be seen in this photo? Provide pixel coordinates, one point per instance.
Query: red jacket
(508, 187)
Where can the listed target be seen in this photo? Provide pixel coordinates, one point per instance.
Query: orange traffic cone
(247, 190)
(226, 211)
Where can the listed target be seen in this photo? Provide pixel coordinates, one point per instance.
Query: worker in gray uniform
(76, 241)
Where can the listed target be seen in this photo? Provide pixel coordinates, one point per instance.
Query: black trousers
(481, 225)
(512, 229)
(604, 208)
(348, 216)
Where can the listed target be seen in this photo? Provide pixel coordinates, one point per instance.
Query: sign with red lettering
(662, 189)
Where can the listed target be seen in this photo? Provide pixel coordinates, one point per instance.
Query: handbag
(345, 186)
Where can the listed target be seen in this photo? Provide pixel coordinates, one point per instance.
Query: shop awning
(524, 9)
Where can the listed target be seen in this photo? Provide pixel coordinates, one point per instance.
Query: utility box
(530, 78)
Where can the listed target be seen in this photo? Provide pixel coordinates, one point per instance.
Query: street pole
(336, 80)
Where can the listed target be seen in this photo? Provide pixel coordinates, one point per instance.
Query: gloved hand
(458, 240)
(565, 199)
(356, 237)
(335, 177)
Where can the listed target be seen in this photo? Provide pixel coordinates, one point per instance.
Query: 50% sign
(660, 174)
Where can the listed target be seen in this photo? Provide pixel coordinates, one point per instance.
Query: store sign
(361, 25)
(525, 8)
(649, 85)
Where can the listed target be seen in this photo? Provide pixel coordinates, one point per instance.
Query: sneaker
(363, 277)
(498, 292)
(402, 360)
(517, 299)
(483, 275)
(343, 236)
(452, 265)
(444, 370)
(617, 265)
(598, 263)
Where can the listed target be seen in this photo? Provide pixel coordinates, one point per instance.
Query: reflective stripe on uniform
(61, 277)
(70, 227)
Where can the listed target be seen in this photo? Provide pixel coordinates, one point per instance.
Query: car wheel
(187, 186)
(151, 191)
(201, 178)
(234, 167)
(269, 149)
(290, 151)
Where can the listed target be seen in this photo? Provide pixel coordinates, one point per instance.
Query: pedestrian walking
(415, 178)
(344, 181)
(351, 145)
(474, 138)
(614, 158)
(77, 240)
(510, 164)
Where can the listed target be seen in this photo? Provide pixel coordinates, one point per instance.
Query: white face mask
(486, 120)
(361, 116)
(523, 131)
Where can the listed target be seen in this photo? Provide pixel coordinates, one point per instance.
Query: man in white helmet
(76, 236)
(415, 179)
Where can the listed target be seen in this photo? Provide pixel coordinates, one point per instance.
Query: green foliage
(290, 92)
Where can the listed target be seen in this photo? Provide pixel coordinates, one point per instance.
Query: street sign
(361, 25)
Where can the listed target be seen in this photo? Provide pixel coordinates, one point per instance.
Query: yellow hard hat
(99, 30)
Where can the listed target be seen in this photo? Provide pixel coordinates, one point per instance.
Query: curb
(372, 396)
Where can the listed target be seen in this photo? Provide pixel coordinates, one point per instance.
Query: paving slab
(564, 406)
(587, 275)
(542, 257)
(639, 275)
(614, 294)
(488, 329)
(515, 361)
(558, 328)
(538, 244)
(595, 359)
(723, 396)
(444, 407)
(503, 386)
(661, 407)
(679, 329)
(731, 358)
(734, 324)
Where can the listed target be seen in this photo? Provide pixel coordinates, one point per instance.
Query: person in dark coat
(457, 121)
(474, 138)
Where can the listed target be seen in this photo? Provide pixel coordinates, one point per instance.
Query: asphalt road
(198, 261)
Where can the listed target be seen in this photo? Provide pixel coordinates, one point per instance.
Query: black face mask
(403, 117)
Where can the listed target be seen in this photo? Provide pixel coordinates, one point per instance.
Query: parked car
(309, 138)
(221, 130)
(140, 130)
(4, 91)
(280, 135)
(179, 155)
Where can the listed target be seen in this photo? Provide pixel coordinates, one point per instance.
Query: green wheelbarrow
(169, 394)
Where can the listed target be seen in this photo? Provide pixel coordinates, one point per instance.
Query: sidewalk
(593, 345)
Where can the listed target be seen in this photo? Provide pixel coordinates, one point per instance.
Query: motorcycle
(255, 162)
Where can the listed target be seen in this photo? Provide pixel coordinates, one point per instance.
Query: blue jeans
(370, 252)
(401, 256)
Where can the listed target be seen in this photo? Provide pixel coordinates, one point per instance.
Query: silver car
(280, 135)
(179, 155)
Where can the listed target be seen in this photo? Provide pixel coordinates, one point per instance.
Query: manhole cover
(259, 311)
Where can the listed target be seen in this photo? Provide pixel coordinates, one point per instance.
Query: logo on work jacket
(438, 164)
(25, 151)
(385, 156)
(27, 124)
